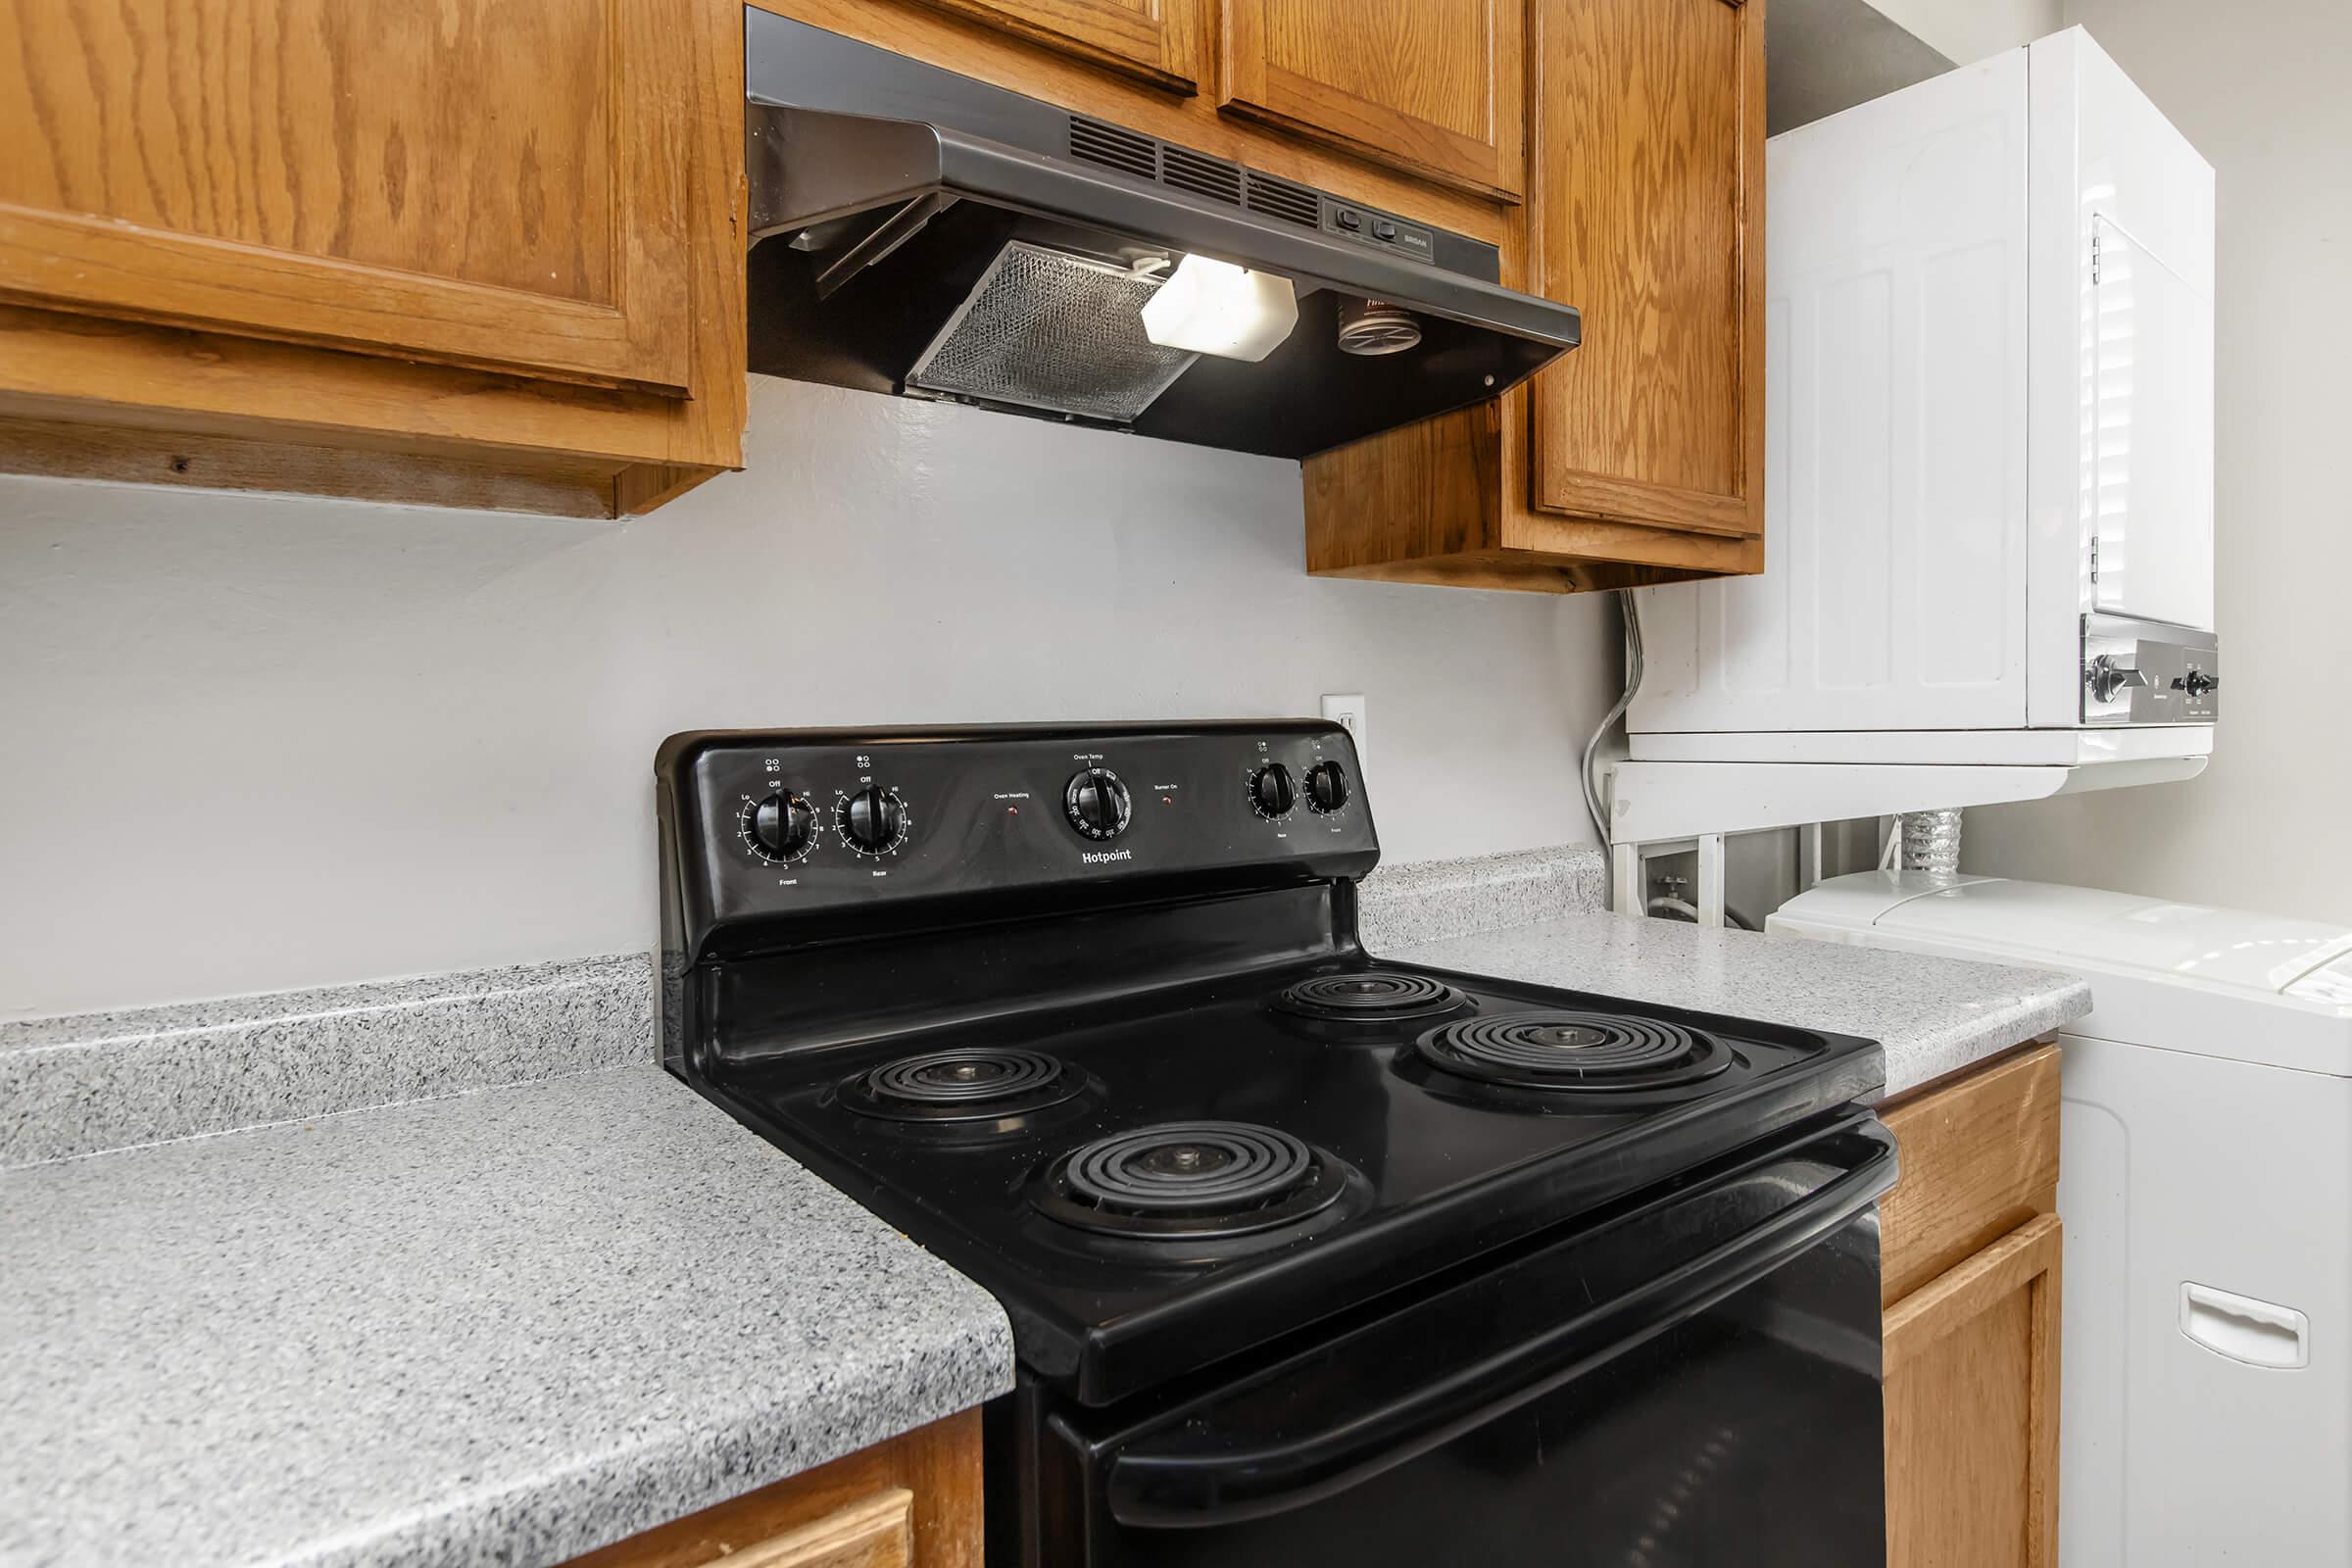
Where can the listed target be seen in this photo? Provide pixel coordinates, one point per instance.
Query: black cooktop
(1084, 1011)
(1281, 1143)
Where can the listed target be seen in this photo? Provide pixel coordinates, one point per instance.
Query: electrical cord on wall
(1630, 609)
(1632, 613)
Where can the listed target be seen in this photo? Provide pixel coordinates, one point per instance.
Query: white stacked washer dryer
(2206, 1191)
(1988, 486)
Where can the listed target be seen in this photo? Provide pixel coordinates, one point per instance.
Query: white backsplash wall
(261, 741)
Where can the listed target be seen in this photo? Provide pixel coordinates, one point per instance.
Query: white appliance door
(2149, 458)
(1894, 593)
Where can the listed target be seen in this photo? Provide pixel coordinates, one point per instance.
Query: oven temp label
(1104, 857)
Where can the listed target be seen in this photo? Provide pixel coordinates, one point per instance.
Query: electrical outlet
(1348, 708)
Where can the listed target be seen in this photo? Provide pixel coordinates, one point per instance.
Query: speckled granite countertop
(512, 1325)
(1932, 1015)
(505, 1327)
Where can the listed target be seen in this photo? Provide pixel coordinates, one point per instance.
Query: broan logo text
(1104, 857)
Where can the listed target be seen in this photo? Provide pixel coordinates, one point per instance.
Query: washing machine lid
(2262, 954)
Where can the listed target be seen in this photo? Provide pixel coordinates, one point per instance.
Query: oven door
(1693, 1381)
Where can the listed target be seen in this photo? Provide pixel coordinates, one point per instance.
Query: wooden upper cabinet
(1156, 41)
(1434, 87)
(494, 184)
(1637, 458)
(1648, 217)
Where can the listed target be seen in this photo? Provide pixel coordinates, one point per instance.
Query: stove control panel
(782, 823)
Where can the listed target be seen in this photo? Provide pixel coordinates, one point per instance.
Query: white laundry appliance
(2206, 1191)
(1989, 477)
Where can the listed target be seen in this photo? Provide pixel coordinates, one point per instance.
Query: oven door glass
(1692, 1383)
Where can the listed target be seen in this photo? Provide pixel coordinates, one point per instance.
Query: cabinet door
(1648, 217)
(497, 184)
(1972, 1410)
(875, 1532)
(1158, 40)
(1430, 87)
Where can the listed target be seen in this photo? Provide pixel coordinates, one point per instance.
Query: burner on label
(979, 1084)
(1191, 1179)
(1574, 1051)
(1372, 995)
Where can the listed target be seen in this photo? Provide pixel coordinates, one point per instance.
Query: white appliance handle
(2260, 1333)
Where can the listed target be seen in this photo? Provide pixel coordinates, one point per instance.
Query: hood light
(1213, 307)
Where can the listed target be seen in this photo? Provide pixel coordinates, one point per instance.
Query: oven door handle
(1193, 1479)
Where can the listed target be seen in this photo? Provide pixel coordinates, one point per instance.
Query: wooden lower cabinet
(1970, 1257)
(910, 1502)
(1972, 1410)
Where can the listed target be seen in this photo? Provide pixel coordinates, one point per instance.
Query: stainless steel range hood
(915, 231)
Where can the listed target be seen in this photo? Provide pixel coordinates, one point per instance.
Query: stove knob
(1272, 793)
(873, 819)
(1096, 803)
(784, 825)
(1326, 788)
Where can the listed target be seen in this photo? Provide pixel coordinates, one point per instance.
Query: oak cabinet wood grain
(492, 246)
(912, 1501)
(486, 183)
(1648, 217)
(1430, 87)
(1637, 458)
(1972, 1409)
(1156, 40)
(1980, 1157)
(1971, 1253)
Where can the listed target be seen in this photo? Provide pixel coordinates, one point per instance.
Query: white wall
(256, 743)
(2260, 86)
(1965, 32)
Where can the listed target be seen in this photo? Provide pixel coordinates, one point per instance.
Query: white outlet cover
(1347, 707)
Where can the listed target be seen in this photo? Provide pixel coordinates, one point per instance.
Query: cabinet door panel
(1433, 87)
(491, 183)
(1648, 215)
(1972, 1410)
(1158, 40)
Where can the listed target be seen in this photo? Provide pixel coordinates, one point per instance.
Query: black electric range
(1308, 1257)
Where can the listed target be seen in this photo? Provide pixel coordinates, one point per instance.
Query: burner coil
(1574, 1051)
(1190, 1179)
(1372, 995)
(961, 1085)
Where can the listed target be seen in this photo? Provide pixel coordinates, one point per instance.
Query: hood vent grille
(1279, 198)
(1114, 147)
(1131, 152)
(1212, 177)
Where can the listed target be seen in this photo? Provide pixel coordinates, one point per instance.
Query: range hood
(917, 232)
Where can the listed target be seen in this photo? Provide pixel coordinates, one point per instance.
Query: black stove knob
(873, 819)
(783, 826)
(1271, 792)
(1096, 803)
(1326, 788)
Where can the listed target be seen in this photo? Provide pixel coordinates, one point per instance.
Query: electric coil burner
(1578, 1051)
(1308, 1258)
(961, 1086)
(1372, 995)
(1191, 1179)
